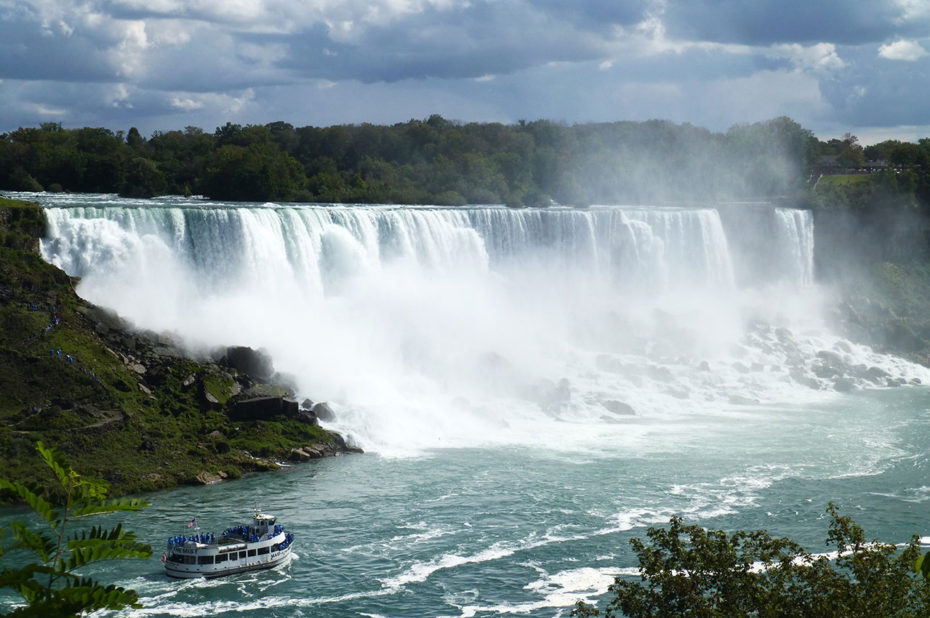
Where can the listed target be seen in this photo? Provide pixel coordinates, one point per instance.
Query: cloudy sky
(833, 65)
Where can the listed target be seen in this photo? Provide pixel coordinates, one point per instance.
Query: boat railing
(230, 535)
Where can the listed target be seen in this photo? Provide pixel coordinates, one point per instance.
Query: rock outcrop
(254, 363)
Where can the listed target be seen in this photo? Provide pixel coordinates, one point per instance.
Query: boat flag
(192, 523)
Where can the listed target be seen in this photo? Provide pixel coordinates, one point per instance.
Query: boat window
(181, 559)
(242, 554)
(251, 553)
(222, 558)
(204, 559)
(262, 550)
(233, 556)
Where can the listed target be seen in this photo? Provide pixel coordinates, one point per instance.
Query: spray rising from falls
(434, 327)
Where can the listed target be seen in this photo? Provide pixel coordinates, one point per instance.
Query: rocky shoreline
(132, 407)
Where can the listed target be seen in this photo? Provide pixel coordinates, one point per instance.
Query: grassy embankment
(120, 406)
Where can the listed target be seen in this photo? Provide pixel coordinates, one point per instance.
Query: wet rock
(307, 417)
(255, 363)
(323, 412)
(798, 375)
(843, 385)
(831, 358)
(206, 478)
(298, 454)
(618, 407)
(740, 367)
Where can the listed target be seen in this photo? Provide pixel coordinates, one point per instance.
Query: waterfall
(446, 327)
(795, 238)
(654, 248)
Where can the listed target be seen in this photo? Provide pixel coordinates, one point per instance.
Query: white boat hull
(192, 571)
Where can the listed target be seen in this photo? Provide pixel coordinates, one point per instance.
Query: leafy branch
(50, 585)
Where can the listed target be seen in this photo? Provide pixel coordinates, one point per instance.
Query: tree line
(431, 161)
(437, 161)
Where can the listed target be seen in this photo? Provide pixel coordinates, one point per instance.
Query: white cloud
(902, 50)
(44, 110)
(818, 58)
(129, 55)
(913, 10)
(186, 103)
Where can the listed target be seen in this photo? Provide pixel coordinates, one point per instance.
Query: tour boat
(263, 544)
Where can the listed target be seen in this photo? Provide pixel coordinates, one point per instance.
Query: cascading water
(454, 327)
(635, 362)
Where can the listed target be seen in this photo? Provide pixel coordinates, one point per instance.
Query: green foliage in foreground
(50, 584)
(686, 570)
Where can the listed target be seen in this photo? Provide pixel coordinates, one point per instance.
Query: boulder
(323, 412)
(299, 454)
(618, 407)
(205, 478)
(208, 396)
(307, 417)
(255, 363)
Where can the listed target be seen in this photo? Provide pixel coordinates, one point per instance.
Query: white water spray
(433, 327)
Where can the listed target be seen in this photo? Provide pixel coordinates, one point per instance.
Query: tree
(687, 570)
(259, 172)
(50, 584)
(142, 179)
(135, 140)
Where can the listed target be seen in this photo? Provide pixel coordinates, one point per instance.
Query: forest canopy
(438, 161)
(432, 161)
